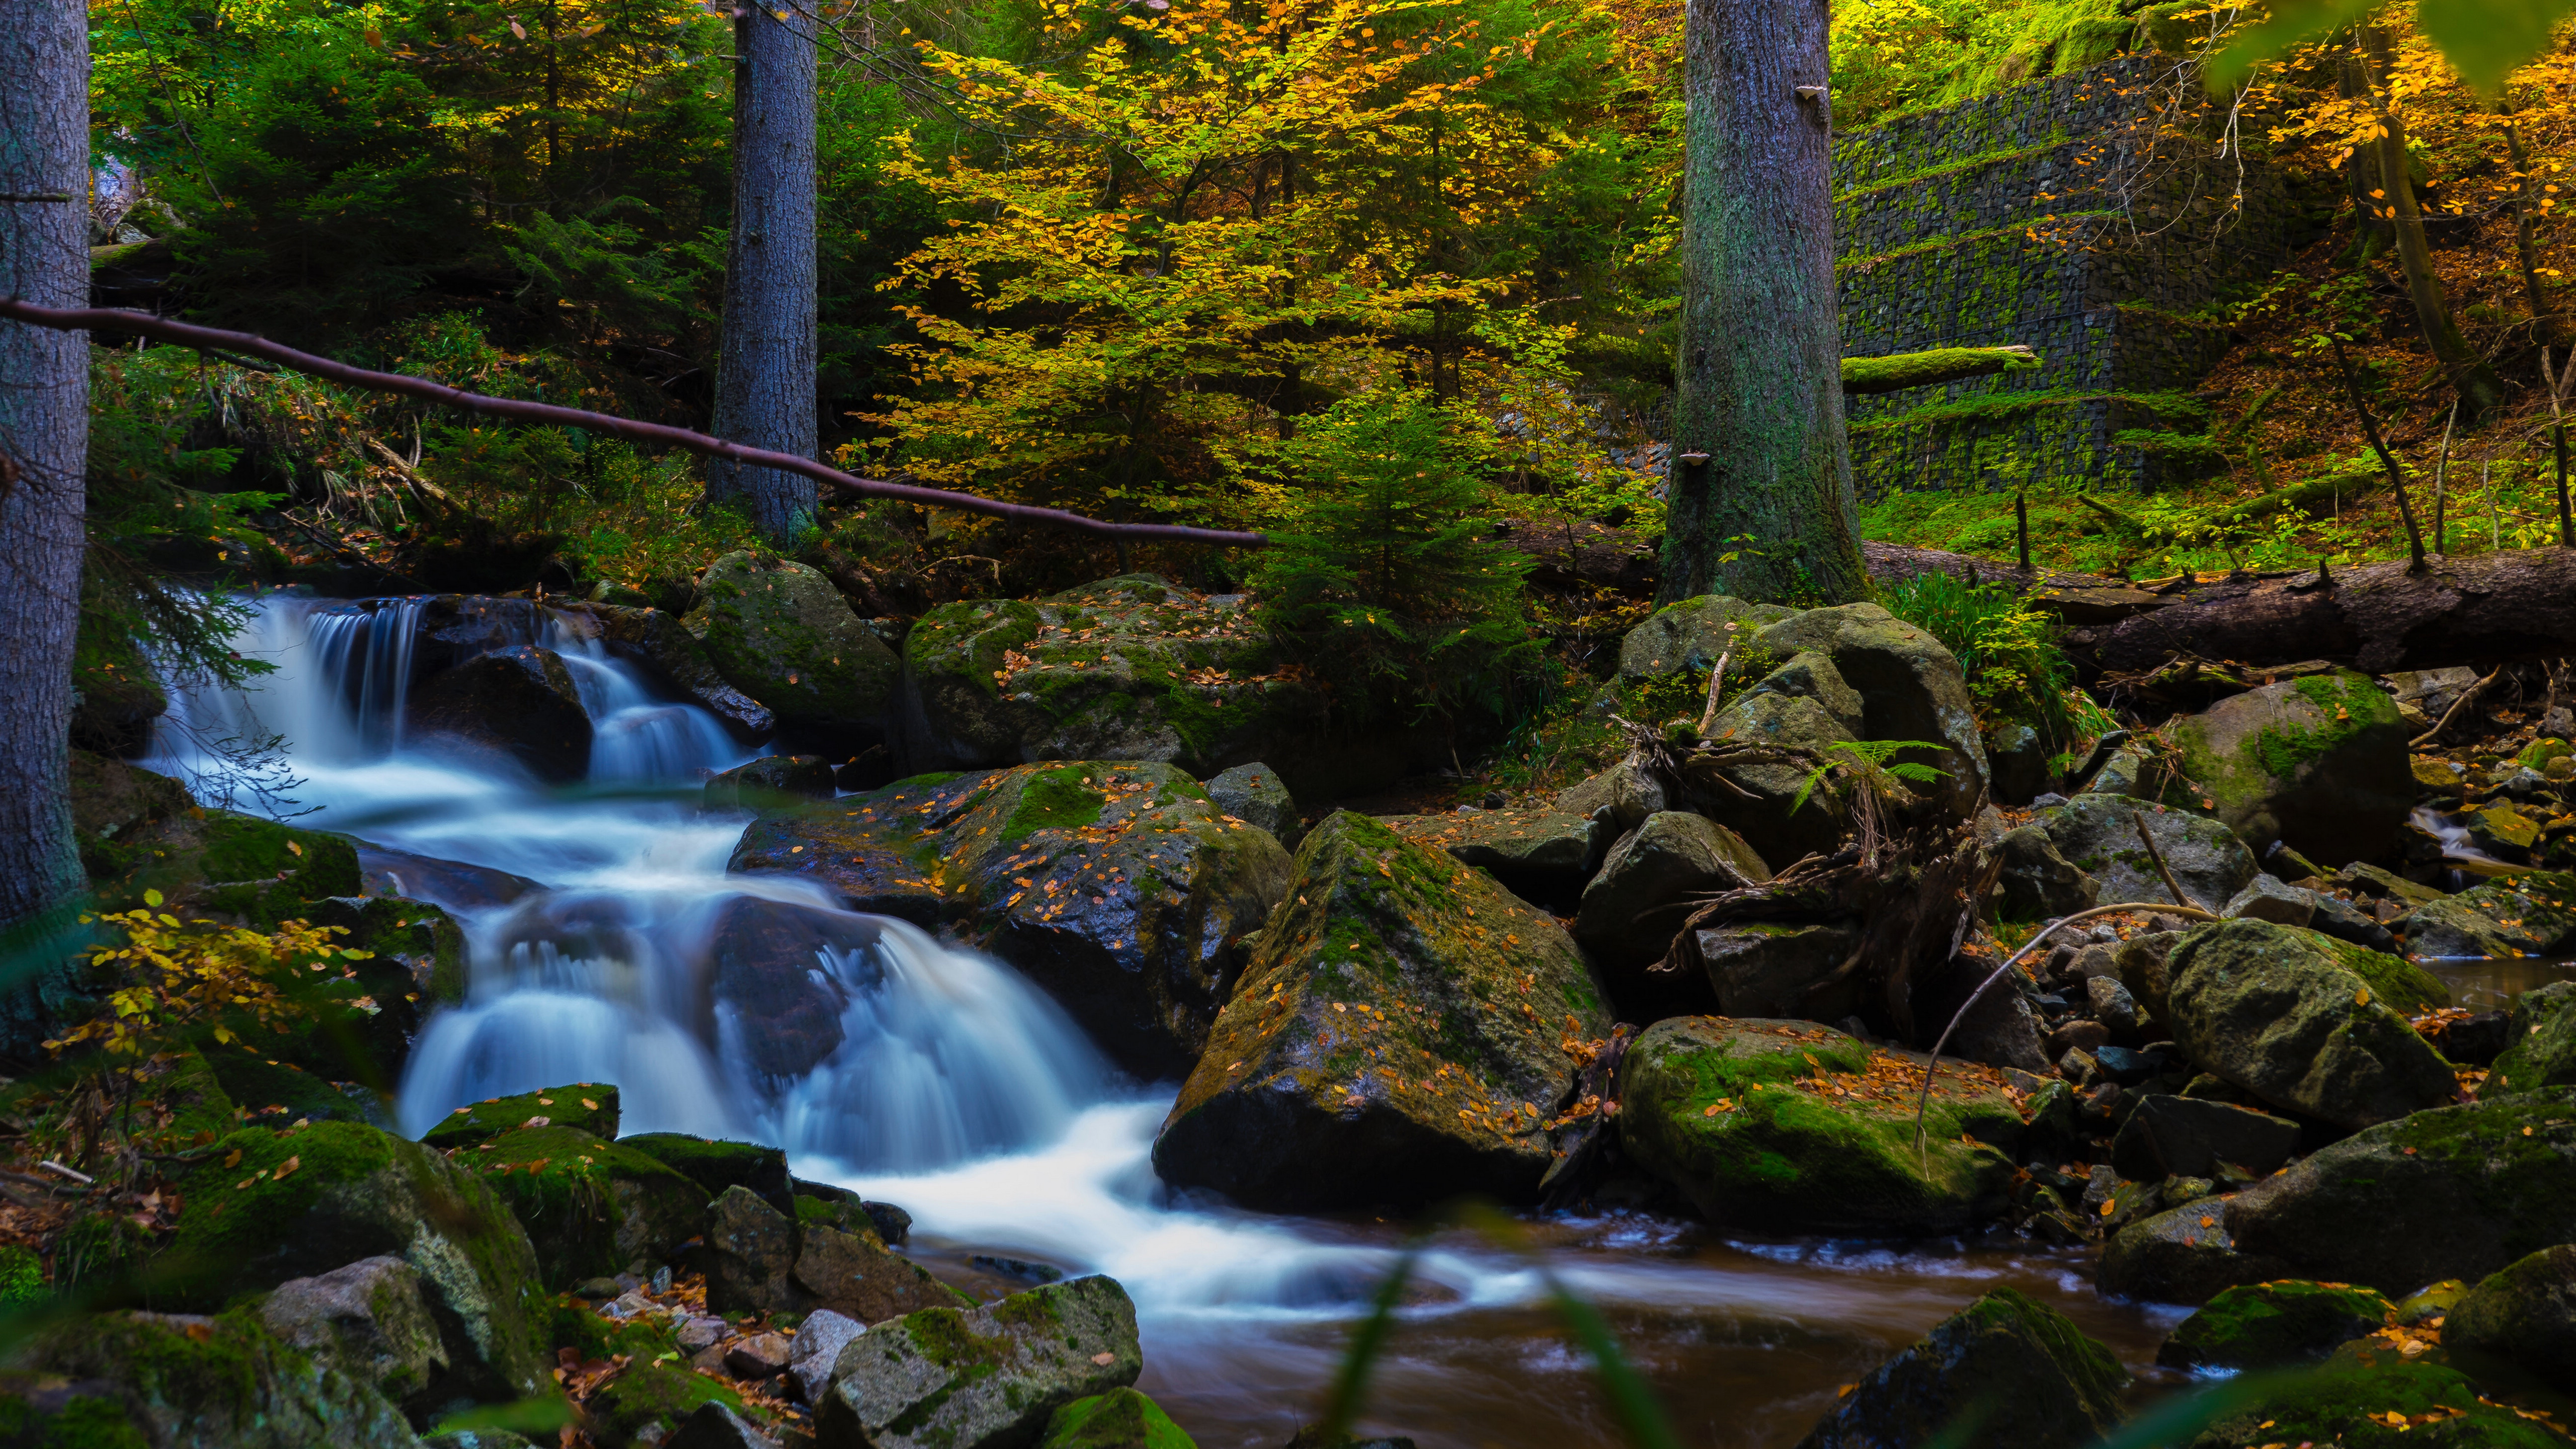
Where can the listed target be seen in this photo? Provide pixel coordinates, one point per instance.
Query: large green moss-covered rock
(2308, 1023)
(992, 1377)
(269, 1206)
(1395, 1037)
(592, 1208)
(1534, 851)
(2529, 914)
(114, 804)
(780, 633)
(2265, 1325)
(2453, 1193)
(2543, 1036)
(651, 1399)
(2006, 1369)
(719, 1164)
(1119, 888)
(1693, 634)
(1129, 668)
(590, 1106)
(180, 1381)
(2524, 1314)
(1792, 1127)
(2182, 1255)
(2317, 762)
(2369, 1396)
(1118, 1419)
(236, 868)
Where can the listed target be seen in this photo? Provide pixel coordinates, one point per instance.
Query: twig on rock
(2139, 817)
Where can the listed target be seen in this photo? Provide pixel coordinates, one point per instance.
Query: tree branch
(183, 334)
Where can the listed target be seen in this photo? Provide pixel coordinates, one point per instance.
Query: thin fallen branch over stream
(213, 340)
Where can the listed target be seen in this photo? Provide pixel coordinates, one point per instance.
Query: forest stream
(964, 1095)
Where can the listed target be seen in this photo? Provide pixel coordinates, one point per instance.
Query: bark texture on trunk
(768, 354)
(2476, 382)
(1770, 513)
(44, 442)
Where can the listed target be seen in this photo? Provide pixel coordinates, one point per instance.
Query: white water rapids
(965, 1095)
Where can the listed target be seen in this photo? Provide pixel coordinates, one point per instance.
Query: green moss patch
(1118, 1419)
(590, 1106)
(2270, 1324)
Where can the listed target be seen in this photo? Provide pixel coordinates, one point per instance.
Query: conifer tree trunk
(44, 437)
(2475, 381)
(1771, 513)
(768, 353)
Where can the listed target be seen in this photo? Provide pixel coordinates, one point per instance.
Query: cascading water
(951, 1086)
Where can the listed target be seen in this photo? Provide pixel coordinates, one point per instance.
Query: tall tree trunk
(1770, 512)
(768, 355)
(44, 442)
(2543, 331)
(2476, 382)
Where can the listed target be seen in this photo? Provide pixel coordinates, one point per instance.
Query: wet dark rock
(2038, 882)
(452, 884)
(518, 704)
(2540, 905)
(776, 1001)
(1255, 795)
(2270, 1325)
(2144, 965)
(2541, 1042)
(2178, 1136)
(848, 1269)
(2113, 1006)
(1118, 888)
(1651, 878)
(1772, 968)
(2470, 1041)
(1736, 1114)
(2350, 1398)
(2456, 1192)
(2346, 922)
(989, 1378)
(589, 1206)
(2005, 1370)
(770, 781)
(2308, 1023)
(2318, 763)
(2268, 899)
(2183, 1255)
(1628, 790)
(751, 1256)
(2079, 1034)
(1394, 1038)
(2000, 1028)
(2126, 1066)
(2523, 1314)
(2017, 757)
(715, 1425)
(780, 633)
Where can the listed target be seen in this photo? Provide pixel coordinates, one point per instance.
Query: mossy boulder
(718, 1164)
(113, 805)
(2370, 1396)
(1909, 686)
(517, 705)
(2456, 1192)
(2524, 1314)
(274, 1091)
(780, 633)
(2529, 914)
(950, 1378)
(590, 1106)
(2007, 1369)
(1652, 877)
(1536, 852)
(2098, 835)
(1118, 1419)
(181, 1381)
(2318, 763)
(182, 1104)
(370, 1320)
(2308, 1023)
(1692, 635)
(2266, 1325)
(235, 868)
(592, 1208)
(2543, 1043)
(1128, 668)
(1120, 889)
(2182, 1255)
(1792, 1127)
(842, 1265)
(269, 1206)
(647, 1400)
(1763, 797)
(1394, 1039)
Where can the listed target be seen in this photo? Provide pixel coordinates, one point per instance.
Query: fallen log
(1898, 371)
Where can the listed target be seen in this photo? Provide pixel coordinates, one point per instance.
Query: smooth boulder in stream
(2318, 763)
(780, 633)
(1787, 1126)
(2529, 914)
(2308, 1023)
(2542, 1033)
(986, 1378)
(2007, 1369)
(1398, 1037)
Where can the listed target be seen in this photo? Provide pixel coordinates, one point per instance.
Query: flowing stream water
(962, 1093)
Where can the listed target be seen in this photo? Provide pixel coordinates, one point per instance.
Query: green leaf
(152, 898)
(2291, 23)
(2487, 40)
(1350, 1386)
